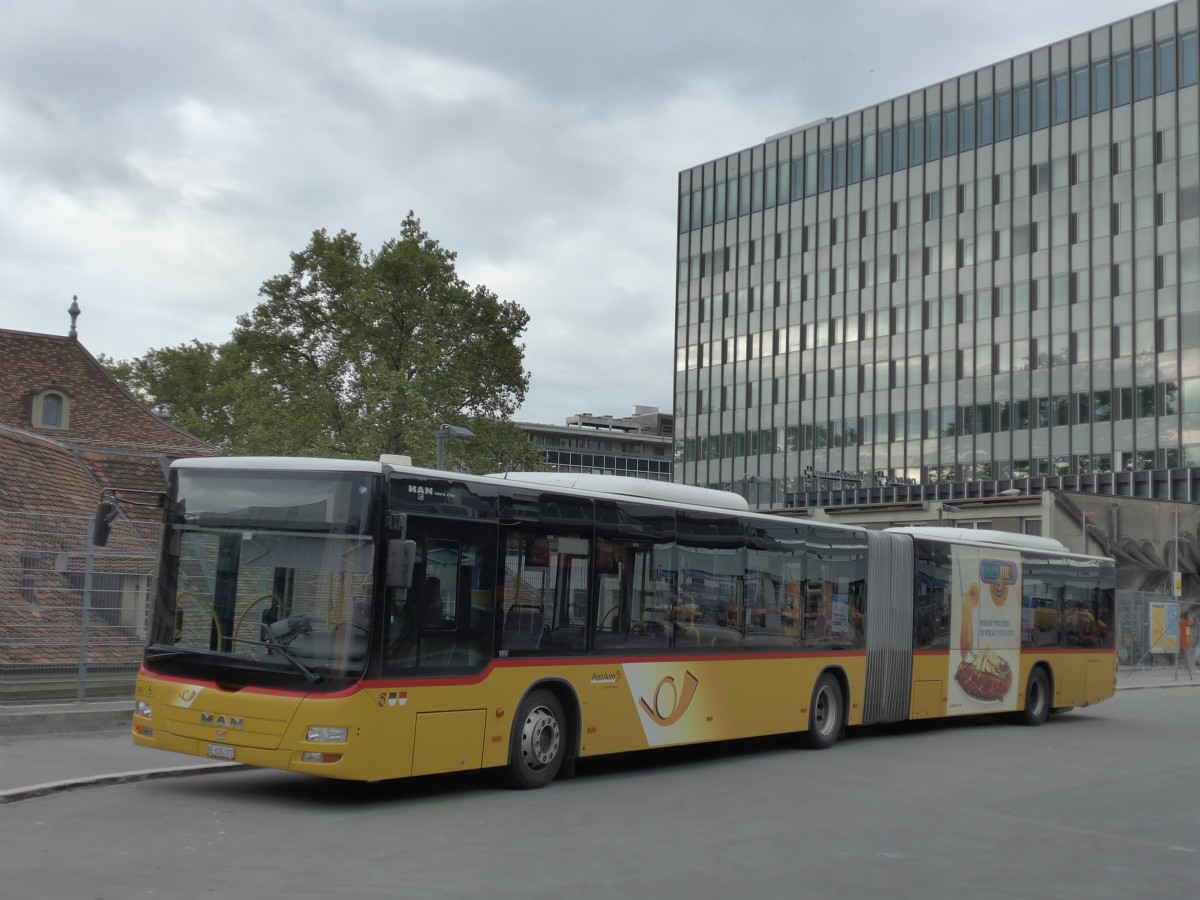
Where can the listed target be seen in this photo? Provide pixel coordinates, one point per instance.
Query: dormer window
(51, 409)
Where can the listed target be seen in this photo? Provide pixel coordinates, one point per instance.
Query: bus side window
(444, 621)
(545, 599)
(932, 607)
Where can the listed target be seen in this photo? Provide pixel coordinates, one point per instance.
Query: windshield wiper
(155, 653)
(313, 677)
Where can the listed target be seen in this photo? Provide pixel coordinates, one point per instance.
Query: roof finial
(74, 311)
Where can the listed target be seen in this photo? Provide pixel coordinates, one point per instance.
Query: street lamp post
(1084, 515)
(943, 508)
(1176, 578)
(449, 431)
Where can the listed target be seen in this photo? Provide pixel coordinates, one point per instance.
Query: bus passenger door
(445, 619)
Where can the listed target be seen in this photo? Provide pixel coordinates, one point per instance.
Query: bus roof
(277, 464)
(665, 491)
(982, 536)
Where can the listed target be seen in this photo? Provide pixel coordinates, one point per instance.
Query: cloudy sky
(161, 160)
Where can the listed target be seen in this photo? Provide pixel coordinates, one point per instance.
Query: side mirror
(401, 559)
(106, 514)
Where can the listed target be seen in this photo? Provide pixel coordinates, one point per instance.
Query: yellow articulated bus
(371, 620)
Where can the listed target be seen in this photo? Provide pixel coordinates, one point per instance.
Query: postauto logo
(670, 702)
(998, 575)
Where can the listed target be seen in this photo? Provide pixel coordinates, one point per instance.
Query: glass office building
(988, 285)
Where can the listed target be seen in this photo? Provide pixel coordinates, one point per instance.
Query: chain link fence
(72, 616)
(1147, 629)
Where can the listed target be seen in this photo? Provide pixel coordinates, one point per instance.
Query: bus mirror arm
(401, 558)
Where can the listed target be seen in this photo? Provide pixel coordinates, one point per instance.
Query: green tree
(353, 354)
(191, 382)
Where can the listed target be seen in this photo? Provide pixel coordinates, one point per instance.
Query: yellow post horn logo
(679, 701)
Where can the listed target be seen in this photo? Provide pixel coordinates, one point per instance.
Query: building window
(1080, 104)
(51, 409)
(1101, 86)
(1121, 79)
(1166, 66)
(1041, 104)
(1187, 59)
(1143, 72)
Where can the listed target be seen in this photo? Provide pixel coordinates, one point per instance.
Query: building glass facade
(636, 446)
(990, 280)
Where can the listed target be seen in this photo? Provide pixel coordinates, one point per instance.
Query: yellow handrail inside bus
(196, 598)
(253, 603)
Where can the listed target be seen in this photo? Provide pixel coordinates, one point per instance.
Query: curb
(16, 795)
(1165, 684)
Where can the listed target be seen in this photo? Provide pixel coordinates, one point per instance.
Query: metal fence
(1147, 628)
(72, 616)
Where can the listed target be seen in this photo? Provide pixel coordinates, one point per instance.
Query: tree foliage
(353, 354)
(191, 383)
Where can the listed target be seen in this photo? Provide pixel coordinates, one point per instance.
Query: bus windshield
(267, 573)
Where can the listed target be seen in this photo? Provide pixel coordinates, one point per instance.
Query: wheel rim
(540, 738)
(825, 711)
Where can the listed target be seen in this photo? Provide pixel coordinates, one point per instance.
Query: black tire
(1037, 698)
(539, 741)
(825, 714)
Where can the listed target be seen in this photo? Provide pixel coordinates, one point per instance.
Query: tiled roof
(50, 482)
(42, 476)
(47, 495)
(102, 413)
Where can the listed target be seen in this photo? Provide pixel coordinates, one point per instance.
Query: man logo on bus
(667, 710)
(998, 574)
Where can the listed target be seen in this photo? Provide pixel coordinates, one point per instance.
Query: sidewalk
(49, 748)
(1137, 677)
(56, 747)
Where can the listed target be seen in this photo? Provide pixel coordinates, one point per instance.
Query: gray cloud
(162, 160)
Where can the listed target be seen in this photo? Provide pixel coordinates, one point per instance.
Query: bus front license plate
(216, 751)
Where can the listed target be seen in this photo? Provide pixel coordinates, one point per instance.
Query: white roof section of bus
(277, 464)
(664, 491)
(613, 486)
(982, 536)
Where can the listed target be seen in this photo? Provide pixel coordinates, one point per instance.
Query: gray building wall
(988, 284)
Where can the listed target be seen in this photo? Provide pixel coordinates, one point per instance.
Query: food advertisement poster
(985, 650)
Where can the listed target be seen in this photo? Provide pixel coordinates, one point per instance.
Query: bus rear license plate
(216, 751)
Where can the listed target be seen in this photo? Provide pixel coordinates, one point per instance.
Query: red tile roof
(50, 482)
(102, 413)
(47, 495)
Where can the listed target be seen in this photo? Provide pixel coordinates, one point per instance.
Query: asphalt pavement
(51, 748)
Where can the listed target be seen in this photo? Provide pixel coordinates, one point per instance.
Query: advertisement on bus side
(985, 631)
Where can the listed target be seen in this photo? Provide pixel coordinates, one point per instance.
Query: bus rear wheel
(538, 742)
(1037, 698)
(824, 714)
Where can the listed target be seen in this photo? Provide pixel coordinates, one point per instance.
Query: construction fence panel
(72, 616)
(1148, 629)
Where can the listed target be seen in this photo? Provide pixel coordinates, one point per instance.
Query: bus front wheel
(824, 713)
(1037, 698)
(538, 742)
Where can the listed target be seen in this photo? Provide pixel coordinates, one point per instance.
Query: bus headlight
(142, 708)
(325, 734)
